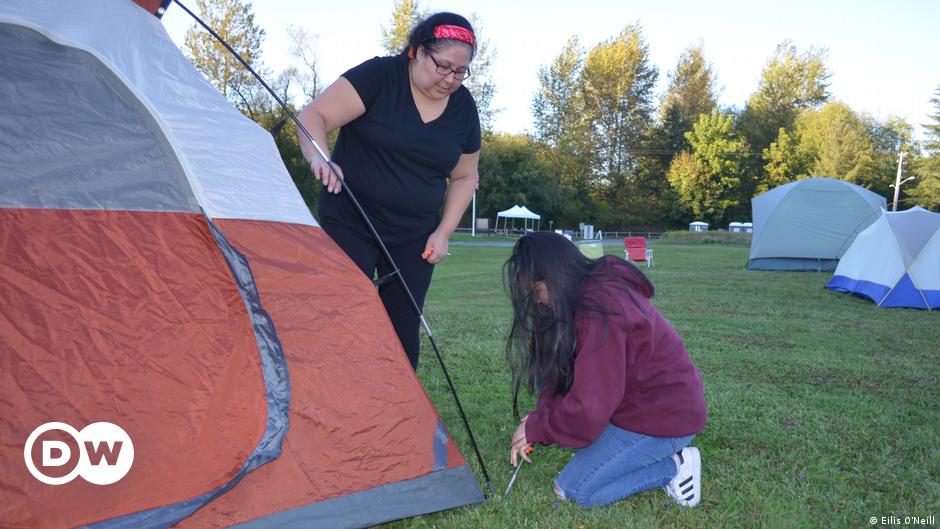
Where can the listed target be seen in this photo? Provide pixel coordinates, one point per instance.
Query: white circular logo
(104, 453)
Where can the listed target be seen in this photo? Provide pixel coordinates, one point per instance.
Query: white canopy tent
(518, 212)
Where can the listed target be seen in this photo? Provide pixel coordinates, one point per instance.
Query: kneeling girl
(613, 377)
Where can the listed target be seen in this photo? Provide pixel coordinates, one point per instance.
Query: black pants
(367, 255)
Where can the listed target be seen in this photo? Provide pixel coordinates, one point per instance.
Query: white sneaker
(686, 487)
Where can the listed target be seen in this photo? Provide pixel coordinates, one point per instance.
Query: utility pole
(897, 181)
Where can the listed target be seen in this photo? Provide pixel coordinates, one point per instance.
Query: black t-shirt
(396, 164)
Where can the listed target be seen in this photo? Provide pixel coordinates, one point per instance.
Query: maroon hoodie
(633, 372)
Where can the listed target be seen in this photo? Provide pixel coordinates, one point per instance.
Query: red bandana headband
(448, 31)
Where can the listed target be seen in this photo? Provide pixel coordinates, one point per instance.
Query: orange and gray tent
(160, 271)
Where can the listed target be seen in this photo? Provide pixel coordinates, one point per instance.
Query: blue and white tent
(895, 262)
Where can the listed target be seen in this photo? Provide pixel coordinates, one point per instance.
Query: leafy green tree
(835, 142)
(511, 172)
(839, 143)
(555, 107)
(707, 178)
(690, 94)
(664, 141)
(563, 134)
(405, 15)
(926, 189)
(889, 139)
(687, 176)
(617, 83)
(790, 83)
(234, 21)
(785, 160)
(558, 118)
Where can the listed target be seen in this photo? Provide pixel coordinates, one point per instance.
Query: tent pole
(473, 216)
(372, 230)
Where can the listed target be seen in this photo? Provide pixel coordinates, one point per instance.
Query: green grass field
(823, 409)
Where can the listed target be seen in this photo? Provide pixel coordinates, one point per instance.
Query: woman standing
(614, 378)
(407, 126)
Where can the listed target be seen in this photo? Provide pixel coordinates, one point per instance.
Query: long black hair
(541, 346)
(423, 33)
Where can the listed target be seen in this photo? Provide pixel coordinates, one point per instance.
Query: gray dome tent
(808, 224)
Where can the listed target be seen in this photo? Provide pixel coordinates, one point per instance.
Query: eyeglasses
(459, 74)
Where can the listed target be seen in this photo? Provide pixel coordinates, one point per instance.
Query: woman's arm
(463, 182)
(334, 107)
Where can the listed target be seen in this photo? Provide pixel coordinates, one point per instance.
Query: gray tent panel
(917, 229)
(437, 491)
(72, 136)
(765, 204)
(792, 264)
(809, 224)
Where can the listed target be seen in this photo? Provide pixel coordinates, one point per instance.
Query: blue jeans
(619, 464)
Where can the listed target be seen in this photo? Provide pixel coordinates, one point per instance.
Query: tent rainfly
(159, 271)
(895, 262)
(518, 212)
(809, 224)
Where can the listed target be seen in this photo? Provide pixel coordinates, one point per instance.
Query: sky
(884, 56)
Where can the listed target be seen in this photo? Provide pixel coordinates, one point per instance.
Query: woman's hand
(336, 106)
(520, 444)
(437, 246)
(321, 171)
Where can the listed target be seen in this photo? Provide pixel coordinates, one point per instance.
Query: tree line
(605, 148)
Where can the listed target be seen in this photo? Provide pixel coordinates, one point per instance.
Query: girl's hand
(520, 446)
(321, 171)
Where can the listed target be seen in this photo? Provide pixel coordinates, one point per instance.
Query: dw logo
(102, 453)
